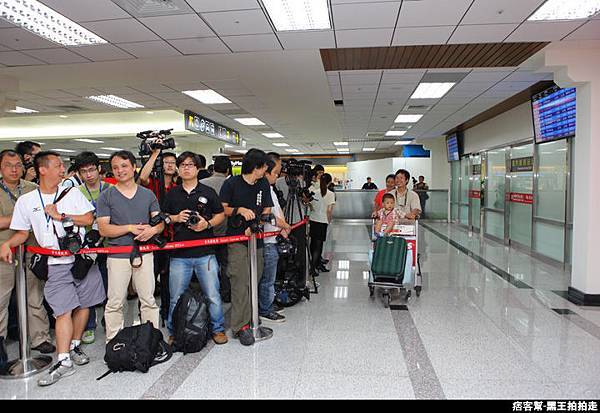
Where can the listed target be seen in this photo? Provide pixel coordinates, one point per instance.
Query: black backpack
(3, 357)
(191, 322)
(136, 348)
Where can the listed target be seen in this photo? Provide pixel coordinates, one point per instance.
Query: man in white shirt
(407, 201)
(44, 211)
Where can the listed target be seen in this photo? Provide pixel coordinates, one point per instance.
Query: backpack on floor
(191, 322)
(136, 348)
(3, 356)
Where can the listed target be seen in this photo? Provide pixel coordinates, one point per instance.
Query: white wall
(440, 167)
(509, 127)
(380, 168)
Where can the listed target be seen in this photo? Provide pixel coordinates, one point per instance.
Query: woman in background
(320, 218)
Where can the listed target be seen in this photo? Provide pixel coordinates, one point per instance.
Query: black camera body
(295, 168)
(154, 221)
(201, 212)
(152, 140)
(255, 225)
(71, 241)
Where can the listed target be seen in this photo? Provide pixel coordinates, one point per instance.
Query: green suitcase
(389, 260)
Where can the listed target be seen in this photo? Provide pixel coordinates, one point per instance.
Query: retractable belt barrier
(169, 246)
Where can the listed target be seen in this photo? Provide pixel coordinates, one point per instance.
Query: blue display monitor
(453, 147)
(554, 113)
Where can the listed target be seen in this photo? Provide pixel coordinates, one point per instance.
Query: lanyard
(10, 194)
(48, 217)
(90, 194)
(405, 198)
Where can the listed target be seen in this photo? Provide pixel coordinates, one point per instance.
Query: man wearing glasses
(407, 201)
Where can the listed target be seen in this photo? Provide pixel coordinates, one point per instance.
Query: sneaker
(278, 309)
(246, 336)
(45, 348)
(89, 336)
(220, 338)
(273, 317)
(78, 356)
(55, 373)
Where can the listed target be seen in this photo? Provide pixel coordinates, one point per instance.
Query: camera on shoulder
(152, 140)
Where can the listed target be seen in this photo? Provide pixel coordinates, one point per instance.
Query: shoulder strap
(105, 374)
(63, 194)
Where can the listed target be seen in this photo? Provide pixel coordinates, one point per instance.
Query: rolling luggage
(389, 260)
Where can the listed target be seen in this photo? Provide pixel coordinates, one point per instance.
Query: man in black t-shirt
(248, 196)
(369, 184)
(180, 203)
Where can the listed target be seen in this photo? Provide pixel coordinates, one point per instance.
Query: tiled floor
(470, 334)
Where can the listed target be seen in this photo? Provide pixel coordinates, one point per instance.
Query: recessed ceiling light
(340, 143)
(566, 10)
(89, 140)
(63, 116)
(241, 150)
(402, 142)
(149, 113)
(249, 121)
(432, 90)
(19, 109)
(112, 149)
(407, 118)
(368, 149)
(40, 20)
(343, 149)
(280, 144)
(228, 146)
(208, 96)
(289, 15)
(292, 150)
(273, 135)
(63, 150)
(112, 100)
(103, 155)
(395, 133)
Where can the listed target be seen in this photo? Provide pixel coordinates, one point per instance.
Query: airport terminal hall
(301, 199)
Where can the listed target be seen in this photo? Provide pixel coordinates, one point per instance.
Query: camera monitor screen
(453, 149)
(554, 112)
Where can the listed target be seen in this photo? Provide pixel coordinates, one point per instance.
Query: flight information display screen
(453, 149)
(554, 114)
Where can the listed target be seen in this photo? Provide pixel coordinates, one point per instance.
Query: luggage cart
(409, 230)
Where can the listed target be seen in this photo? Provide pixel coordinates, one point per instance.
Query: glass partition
(454, 189)
(495, 194)
(475, 191)
(521, 196)
(436, 205)
(464, 191)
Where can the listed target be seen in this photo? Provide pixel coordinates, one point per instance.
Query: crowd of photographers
(173, 198)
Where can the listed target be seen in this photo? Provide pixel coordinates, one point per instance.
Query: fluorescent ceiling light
(19, 109)
(292, 150)
(63, 150)
(63, 116)
(112, 100)
(249, 121)
(89, 140)
(343, 149)
(40, 20)
(241, 150)
(273, 135)
(368, 149)
(432, 90)
(289, 15)
(280, 144)
(340, 143)
(228, 146)
(402, 142)
(208, 97)
(407, 118)
(395, 133)
(103, 155)
(566, 10)
(112, 149)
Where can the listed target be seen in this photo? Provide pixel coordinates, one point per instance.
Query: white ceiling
(232, 47)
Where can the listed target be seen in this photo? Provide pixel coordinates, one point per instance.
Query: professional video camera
(154, 221)
(71, 241)
(293, 168)
(152, 140)
(255, 225)
(200, 212)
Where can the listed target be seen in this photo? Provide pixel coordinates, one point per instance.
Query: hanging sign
(522, 164)
(200, 124)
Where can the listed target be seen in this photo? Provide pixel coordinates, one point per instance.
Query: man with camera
(245, 199)
(28, 150)
(125, 213)
(52, 213)
(195, 209)
(12, 187)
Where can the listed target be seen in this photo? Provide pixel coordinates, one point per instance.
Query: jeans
(266, 286)
(91, 324)
(207, 272)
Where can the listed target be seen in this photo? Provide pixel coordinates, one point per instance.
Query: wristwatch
(209, 225)
(62, 217)
(235, 211)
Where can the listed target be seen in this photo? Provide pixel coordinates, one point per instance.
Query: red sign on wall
(475, 194)
(521, 198)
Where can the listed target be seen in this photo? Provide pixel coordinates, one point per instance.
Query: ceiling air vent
(375, 134)
(338, 102)
(150, 8)
(418, 108)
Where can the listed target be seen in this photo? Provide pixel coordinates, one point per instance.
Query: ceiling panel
(121, 31)
(87, 10)
(307, 40)
(203, 45)
(18, 59)
(589, 31)
(179, 26)
(482, 33)
(422, 35)
(83, 91)
(57, 56)
(432, 12)
(102, 52)
(365, 15)
(500, 11)
(364, 37)
(543, 31)
(150, 49)
(484, 77)
(222, 5)
(20, 39)
(252, 43)
(349, 78)
(238, 22)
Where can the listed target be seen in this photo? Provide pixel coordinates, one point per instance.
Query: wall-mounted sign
(477, 169)
(521, 198)
(200, 124)
(522, 164)
(474, 194)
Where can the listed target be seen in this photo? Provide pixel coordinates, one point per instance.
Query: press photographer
(245, 198)
(124, 213)
(195, 209)
(69, 292)
(28, 150)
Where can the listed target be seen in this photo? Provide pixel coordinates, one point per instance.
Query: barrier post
(260, 333)
(25, 365)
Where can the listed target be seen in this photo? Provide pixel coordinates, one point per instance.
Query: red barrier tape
(151, 247)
